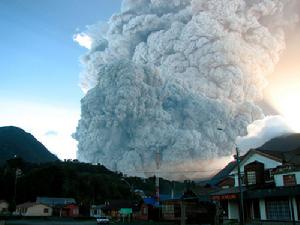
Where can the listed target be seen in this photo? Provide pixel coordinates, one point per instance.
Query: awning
(227, 193)
(274, 192)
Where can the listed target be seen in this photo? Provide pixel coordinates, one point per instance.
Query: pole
(292, 209)
(182, 209)
(17, 175)
(241, 208)
(157, 176)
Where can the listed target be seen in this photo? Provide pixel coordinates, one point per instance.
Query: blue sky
(40, 65)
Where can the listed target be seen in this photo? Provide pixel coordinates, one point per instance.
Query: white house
(3, 206)
(96, 210)
(269, 185)
(33, 209)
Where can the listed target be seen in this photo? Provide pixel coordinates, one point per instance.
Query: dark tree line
(87, 183)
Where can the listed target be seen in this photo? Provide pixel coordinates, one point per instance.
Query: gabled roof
(3, 201)
(268, 154)
(222, 174)
(291, 157)
(29, 204)
(55, 201)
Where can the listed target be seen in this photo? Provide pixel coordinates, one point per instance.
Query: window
(46, 210)
(289, 180)
(251, 177)
(168, 208)
(278, 210)
(145, 210)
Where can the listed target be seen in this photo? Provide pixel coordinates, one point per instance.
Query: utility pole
(183, 213)
(157, 160)
(18, 173)
(241, 208)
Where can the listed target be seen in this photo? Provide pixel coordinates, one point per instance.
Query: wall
(233, 209)
(279, 178)
(38, 210)
(3, 206)
(98, 212)
(268, 163)
(262, 209)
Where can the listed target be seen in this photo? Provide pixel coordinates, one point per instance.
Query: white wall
(295, 209)
(279, 178)
(98, 214)
(38, 210)
(3, 206)
(233, 209)
(269, 164)
(262, 209)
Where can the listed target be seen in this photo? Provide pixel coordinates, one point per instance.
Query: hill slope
(15, 141)
(282, 143)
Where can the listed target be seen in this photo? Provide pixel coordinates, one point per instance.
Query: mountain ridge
(14, 141)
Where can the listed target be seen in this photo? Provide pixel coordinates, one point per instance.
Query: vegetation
(87, 183)
(15, 141)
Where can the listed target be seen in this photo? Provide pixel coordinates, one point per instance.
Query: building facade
(270, 188)
(3, 207)
(33, 209)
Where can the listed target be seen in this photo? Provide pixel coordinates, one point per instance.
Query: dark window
(289, 180)
(278, 210)
(46, 210)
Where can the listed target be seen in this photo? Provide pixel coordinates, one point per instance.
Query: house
(3, 207)
(197, 209)
(148, 210)
(63, 207)
(113, 208)
(270, 187)
(96, 210)
(33, 209)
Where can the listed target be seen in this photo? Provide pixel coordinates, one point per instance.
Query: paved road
(45, 222)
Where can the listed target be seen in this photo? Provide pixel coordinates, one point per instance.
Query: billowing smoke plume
(261, 131)
(180, 77)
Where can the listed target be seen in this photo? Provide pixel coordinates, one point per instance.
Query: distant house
(147, 210)
(33, 209)
(3, 206)
(194, 204)
(114, 207)
(63, 207)
(97, 210)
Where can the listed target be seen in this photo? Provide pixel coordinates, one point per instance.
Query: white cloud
(39, 119)
(261, 131)
(83, 40)
(51, 133)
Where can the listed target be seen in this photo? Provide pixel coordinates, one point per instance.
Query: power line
(162, 171)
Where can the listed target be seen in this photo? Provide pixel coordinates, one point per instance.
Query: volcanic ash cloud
(165, 75)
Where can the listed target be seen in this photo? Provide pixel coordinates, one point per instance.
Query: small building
(112, 208)
(196, 208)
(33, 209)
(3, 207)
(97, 210)
(62, 207)
(147, 210)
